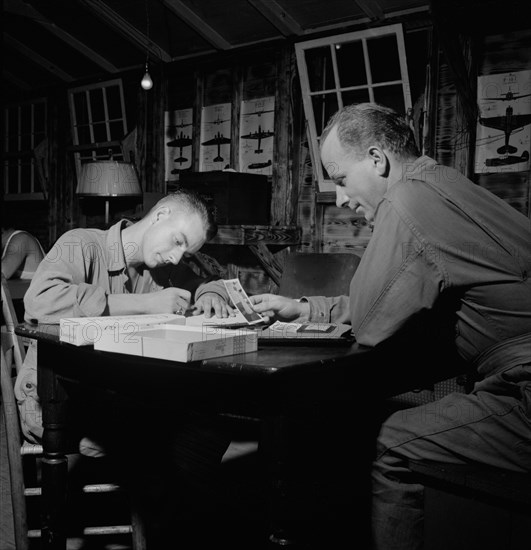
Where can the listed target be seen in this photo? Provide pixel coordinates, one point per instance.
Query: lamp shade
(108, 178)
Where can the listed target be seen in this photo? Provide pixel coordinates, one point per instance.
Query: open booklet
(307, 333)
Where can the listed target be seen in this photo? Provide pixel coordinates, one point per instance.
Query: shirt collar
(114, 247)
(412, 170)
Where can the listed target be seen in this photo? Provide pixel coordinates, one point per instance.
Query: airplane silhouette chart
(508, 124)
(258, 135)
(219, 139)
(180, 141)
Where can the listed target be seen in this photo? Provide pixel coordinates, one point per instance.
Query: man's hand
(212, 304)
(279, 307)
(169, 300)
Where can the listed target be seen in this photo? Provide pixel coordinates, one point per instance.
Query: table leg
(275, 449)
(54, 463)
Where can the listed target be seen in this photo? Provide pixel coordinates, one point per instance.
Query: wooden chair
(317, 274)
(303, 274)
(20, 451)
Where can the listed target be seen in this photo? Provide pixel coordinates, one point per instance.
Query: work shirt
(438, 236)
(86, 265)
(74, 280)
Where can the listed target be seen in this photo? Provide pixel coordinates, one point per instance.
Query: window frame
(326, 185)
(96, 150)
(37, 186)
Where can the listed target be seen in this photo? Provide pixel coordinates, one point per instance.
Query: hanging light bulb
(146, 81)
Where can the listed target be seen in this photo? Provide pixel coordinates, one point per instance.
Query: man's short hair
(364, 124)
(192, 202)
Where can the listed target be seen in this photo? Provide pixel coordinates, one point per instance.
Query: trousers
(490, 426)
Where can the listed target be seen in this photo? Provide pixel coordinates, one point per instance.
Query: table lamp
(108, 178)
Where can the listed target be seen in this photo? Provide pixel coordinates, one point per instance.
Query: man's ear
(380, 161)
(160, 213)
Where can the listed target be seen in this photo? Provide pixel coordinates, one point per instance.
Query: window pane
(100, 132)
(324, 106)
(12, 143)
(80, 106)
(114, 104)
(355, 96)
(25, 177)
(320, 70)
(117, 130)
(390, 96)
(383, 57)
(96, 105)
(83, 134)
(351, 64)
(25, 142)
(12, 177)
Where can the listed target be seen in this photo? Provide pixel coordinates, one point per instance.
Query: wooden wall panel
(306, 202)
(511, 187)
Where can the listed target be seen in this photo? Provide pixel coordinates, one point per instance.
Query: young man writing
(438, 239)
(133, 268)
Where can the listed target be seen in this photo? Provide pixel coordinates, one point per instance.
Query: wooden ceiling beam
(26, 10)
(130, 32)
(37, 58)
(278, 17)
(371, 9)
(191, 18)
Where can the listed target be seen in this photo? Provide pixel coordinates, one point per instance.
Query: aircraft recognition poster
(257, 118)
(504, 125)
(178, 140)
(215, 137)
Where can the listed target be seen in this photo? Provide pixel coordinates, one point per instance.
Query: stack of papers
(179, 343)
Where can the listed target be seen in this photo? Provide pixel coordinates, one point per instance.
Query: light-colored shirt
(74, 280)
(86, 265)
(439, 238)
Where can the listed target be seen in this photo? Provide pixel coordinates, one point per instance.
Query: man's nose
(175, 257)
(342, 200)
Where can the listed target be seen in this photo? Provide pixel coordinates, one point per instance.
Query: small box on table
(179, 343)
(85, 331)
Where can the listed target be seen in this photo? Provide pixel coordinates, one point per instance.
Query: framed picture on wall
(257, 120)
(215, 137)
(504, 125)
(178, 142)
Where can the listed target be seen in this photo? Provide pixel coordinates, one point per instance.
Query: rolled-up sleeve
(325, 309)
